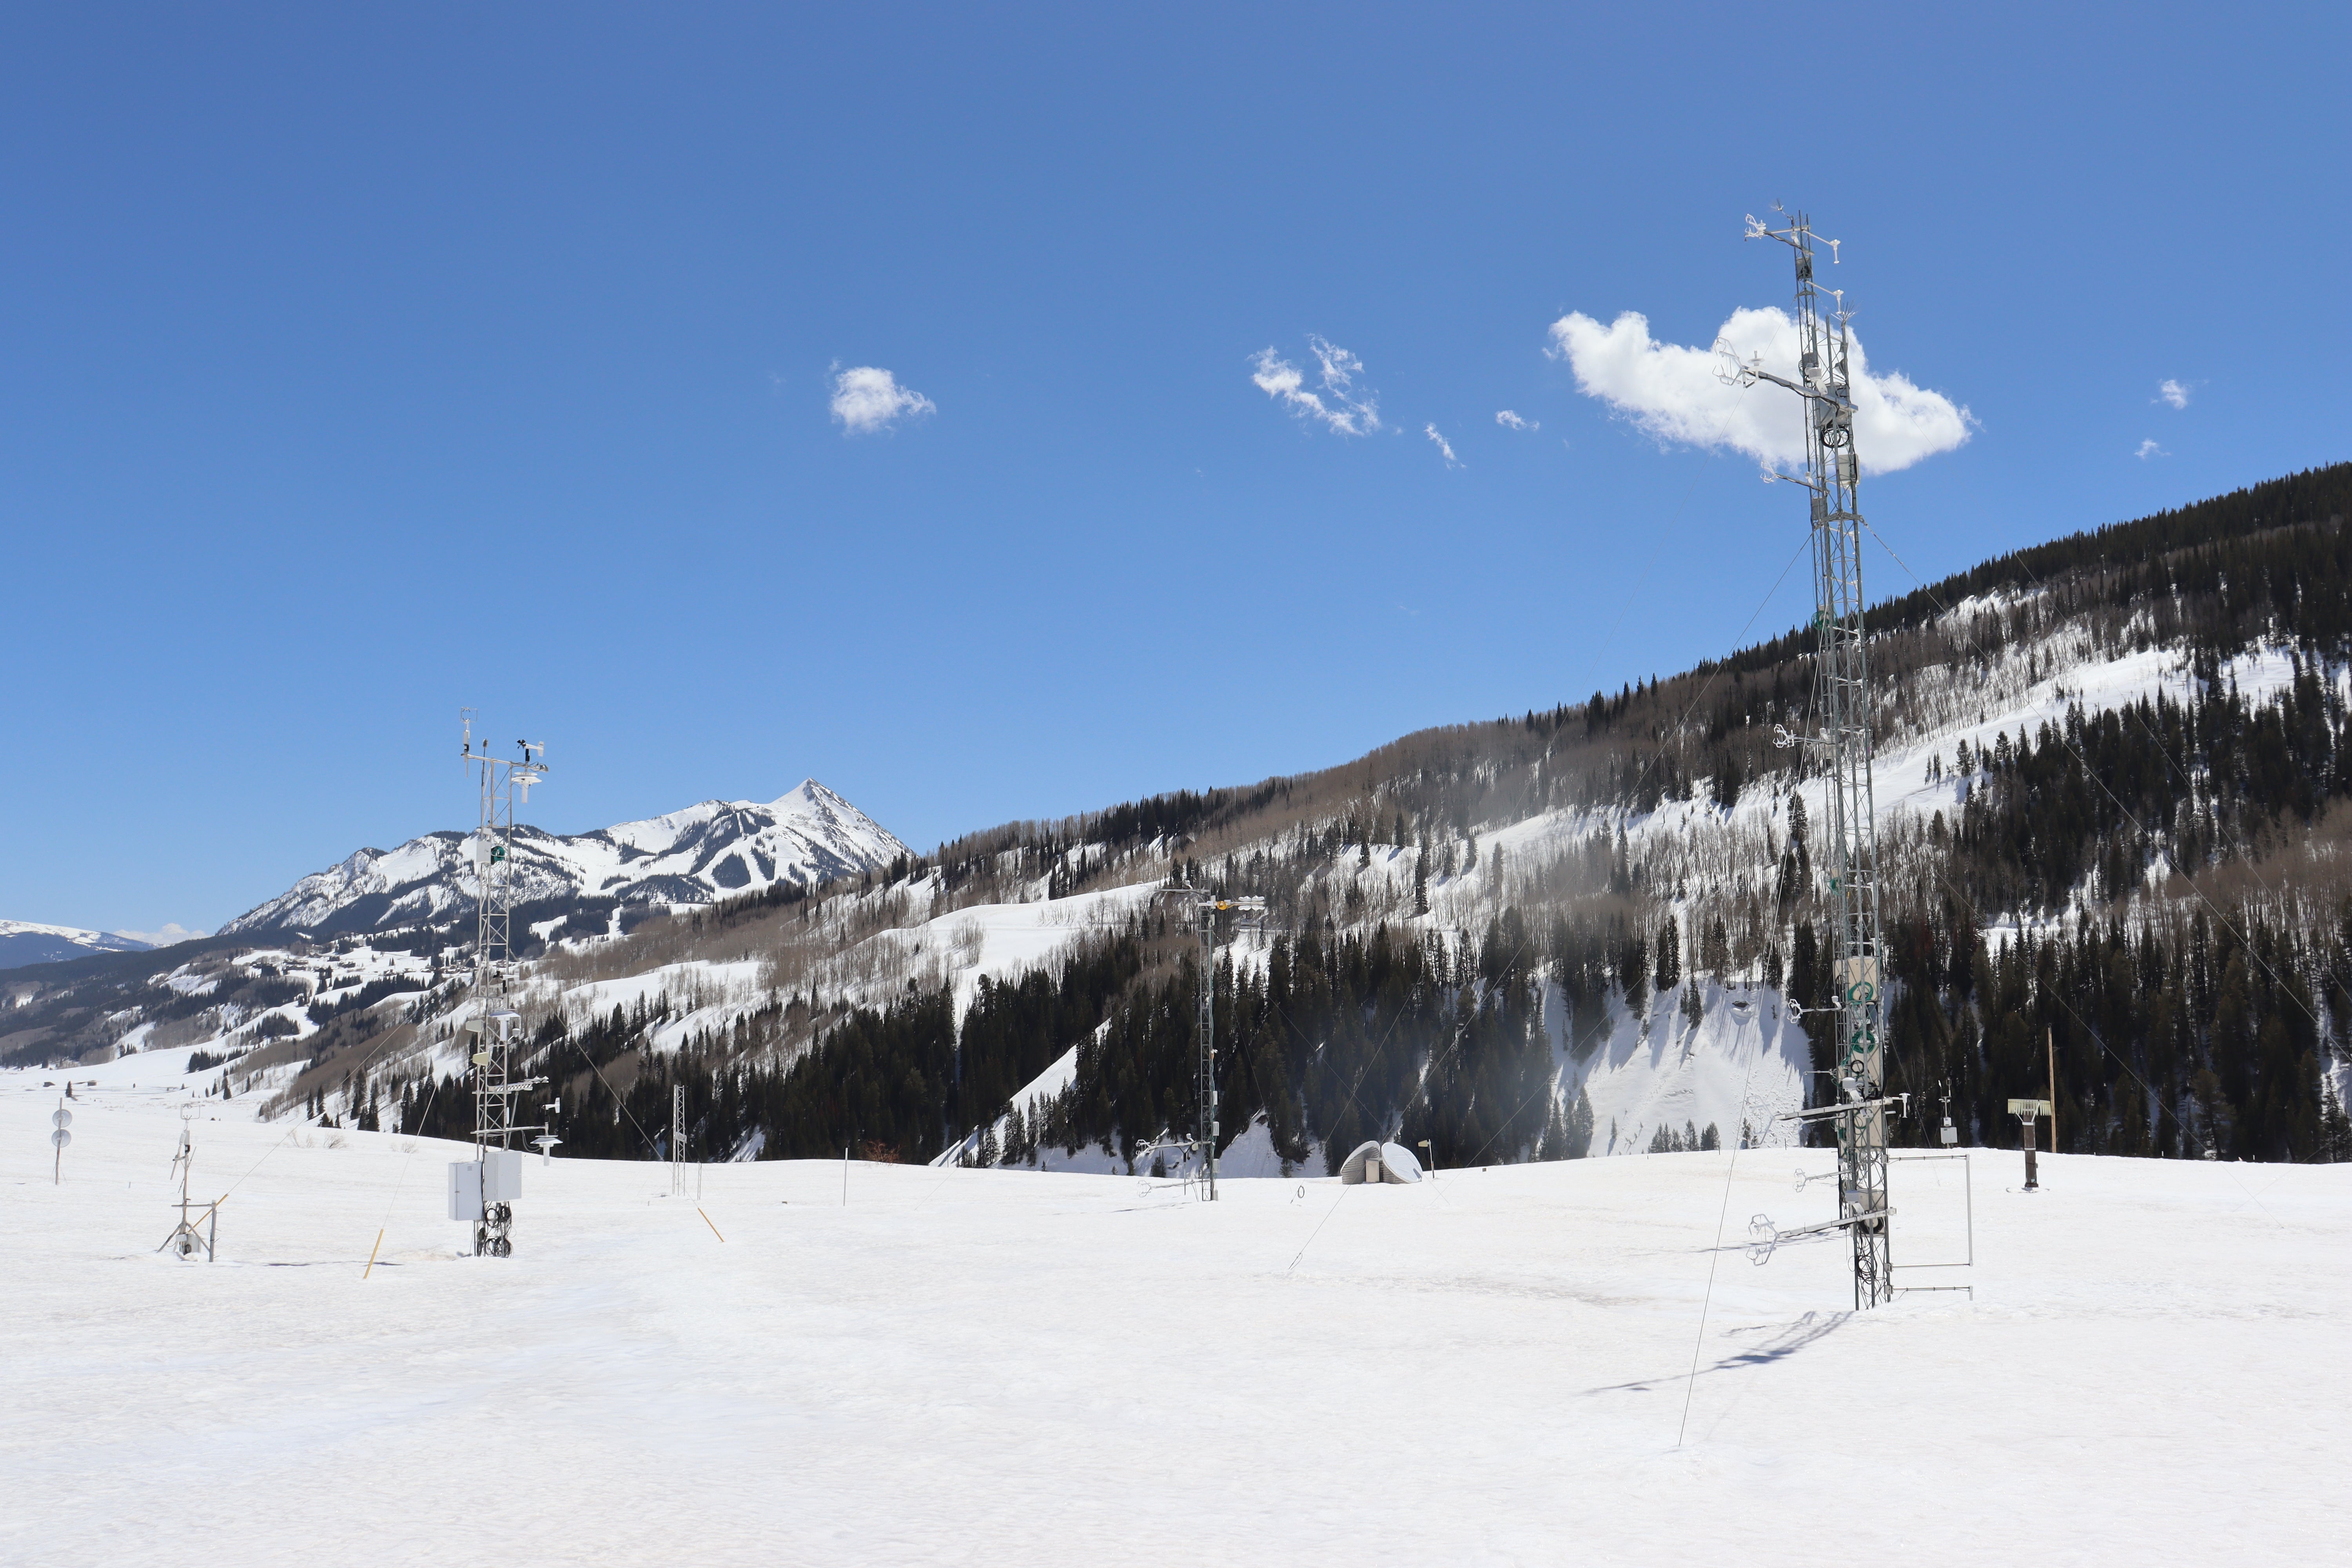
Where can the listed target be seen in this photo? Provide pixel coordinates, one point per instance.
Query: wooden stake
(2050, 1039)
(714, 1228)
(371, 1267)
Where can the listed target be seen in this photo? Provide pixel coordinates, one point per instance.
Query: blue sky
(358, 364)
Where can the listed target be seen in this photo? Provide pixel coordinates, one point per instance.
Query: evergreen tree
(1632, 968)
(1578, 1138)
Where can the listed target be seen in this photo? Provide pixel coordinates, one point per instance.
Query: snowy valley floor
(1010, 1367)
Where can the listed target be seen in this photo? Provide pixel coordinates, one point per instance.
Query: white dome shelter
(1377, 1162)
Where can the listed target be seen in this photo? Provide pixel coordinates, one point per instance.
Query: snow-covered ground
(975, 1366)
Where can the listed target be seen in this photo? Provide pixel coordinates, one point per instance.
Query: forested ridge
(2192, 1000)
(2158, 895)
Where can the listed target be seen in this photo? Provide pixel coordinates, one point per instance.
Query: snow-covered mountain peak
(826, 813)
(29, 941)
(712, 850)
(811, 798)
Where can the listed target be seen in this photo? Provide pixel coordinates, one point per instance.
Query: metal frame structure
(186, 1239)
(491, 1020)
(1842, 739)
(1764, 1237)
(1201, 909)
(1968, 1258)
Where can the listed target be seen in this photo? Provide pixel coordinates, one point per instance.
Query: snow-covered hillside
(809, 1362)
(1585, 842)
(1727, 1062)
(705, 853)
(24, 941)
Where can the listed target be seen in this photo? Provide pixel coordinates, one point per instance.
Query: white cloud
(2150, 450)
(1336, 404)
(1510, 421)
(1671, 392)
(173, 931)
(865, 399)
(1432, 431)
(2173, 393)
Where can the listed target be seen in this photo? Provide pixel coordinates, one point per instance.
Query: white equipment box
(495, 1178)
(465, 1189)
(501, 1175)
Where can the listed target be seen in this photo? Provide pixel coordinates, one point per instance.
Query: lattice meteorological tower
(486, 1192)
(1841, 738)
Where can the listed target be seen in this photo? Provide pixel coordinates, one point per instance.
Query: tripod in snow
(186, 1240)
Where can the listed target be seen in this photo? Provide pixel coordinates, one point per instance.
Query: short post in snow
(2025, 1110)
(1432, 1158)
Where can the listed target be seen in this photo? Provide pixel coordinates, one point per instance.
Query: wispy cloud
(1334, 400)
(2173, 393)
(2150, 450)
(1431, 430)
(866, 398)
(1671, 392)
(1510, 421)
(173, 931)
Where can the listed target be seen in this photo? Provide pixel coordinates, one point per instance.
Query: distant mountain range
(715, 850)
(23, 943)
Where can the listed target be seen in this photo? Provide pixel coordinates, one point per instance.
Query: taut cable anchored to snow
(2093, 775)
(1317, 1231)
(2055, 995)
(1453, 1044)
(305, 1122)
(1704, 688)
(1595, 1032)
(1714, 1254)
(402, 1180)
(1673, 517)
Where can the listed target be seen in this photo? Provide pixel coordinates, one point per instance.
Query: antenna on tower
(1842, 701)
(1201, 908)
(483, 1189)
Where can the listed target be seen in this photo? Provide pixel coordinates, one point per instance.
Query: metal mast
(1841, 706)
(186, 1240)
(492, 1016)
(1202, 909)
